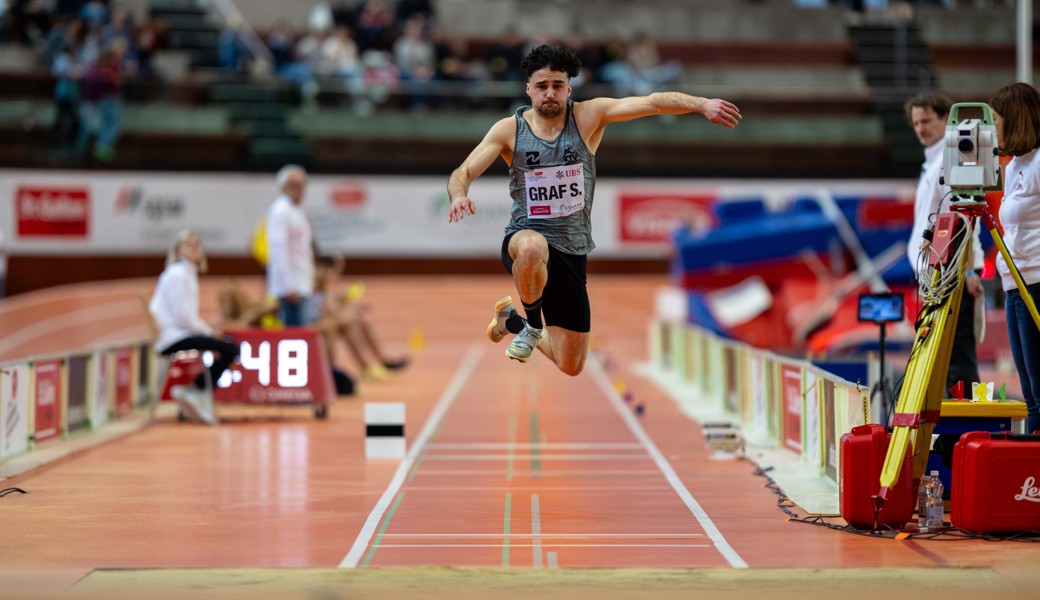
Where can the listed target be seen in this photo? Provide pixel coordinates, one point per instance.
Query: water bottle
(922, 500)
(935, 509)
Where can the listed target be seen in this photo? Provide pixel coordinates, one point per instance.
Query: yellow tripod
(917, 410)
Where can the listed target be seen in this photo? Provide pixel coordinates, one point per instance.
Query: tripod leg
(923, 385)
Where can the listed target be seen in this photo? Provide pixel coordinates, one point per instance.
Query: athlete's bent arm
(496, 143)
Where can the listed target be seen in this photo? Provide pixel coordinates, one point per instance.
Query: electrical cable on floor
(952, 534)
(11, 490)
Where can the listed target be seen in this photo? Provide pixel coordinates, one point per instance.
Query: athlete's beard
(553, 112)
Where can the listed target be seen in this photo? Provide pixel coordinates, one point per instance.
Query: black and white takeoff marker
(384, 430)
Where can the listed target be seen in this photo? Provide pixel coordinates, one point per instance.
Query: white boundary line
(469, 363)
(564, 536)
(537, 547)
(702, 517)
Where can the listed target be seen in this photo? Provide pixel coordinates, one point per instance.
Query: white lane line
(528, 446)
(649, 487)
(536, 531)
(554, 563)
(555, 536)
(542, 457)
(702, 517)
(469, 363)
(585, 473)
(58, 323)
(381, 546)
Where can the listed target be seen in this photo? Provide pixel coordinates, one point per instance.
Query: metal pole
(1024, 50)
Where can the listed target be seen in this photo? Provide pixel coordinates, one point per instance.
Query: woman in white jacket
(1016, 114)
(175, 307)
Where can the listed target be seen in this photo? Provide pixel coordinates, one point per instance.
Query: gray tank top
(552, 185)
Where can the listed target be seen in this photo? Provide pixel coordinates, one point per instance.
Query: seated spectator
(281, 39)
(640, 71)
(338, 56)
(175, 308)
(232, 52)
(237, 309)
(101, 103)
(416, 57)
(67, 73)
(374, 25)
(343, 316)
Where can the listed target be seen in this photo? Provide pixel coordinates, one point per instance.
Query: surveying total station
(970, 168)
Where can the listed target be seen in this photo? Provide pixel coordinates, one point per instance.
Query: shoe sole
(499, 307)
(517, 358)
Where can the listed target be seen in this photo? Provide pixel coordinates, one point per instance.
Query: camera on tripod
(970, 153)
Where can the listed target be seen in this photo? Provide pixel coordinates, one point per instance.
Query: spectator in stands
(338, 56)
(1016, 113)
(640, 70)
(290, 254)
(416, 58)
(175, 308)
(343, 316)
(95, 12)
(927, 113)
(101, 103)
(67, 73)
(281, 39)
(232, 52)
(503, 60)
(406, 9)
(375, 25)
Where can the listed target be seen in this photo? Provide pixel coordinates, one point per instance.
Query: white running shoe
(497, 329)
(197, 404)
(524, 343)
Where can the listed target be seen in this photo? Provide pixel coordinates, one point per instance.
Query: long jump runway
(518, 480)
(529, 467)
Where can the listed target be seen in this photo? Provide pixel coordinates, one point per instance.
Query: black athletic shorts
(565, 301)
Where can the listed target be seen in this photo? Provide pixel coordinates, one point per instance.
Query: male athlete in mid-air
(550, 148)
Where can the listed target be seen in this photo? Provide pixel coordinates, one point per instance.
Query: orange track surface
(512, 465)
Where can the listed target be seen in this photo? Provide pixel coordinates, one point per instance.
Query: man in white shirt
(927, 113)
(290, 252)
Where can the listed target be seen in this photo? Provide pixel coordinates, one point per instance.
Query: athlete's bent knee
(572, 369)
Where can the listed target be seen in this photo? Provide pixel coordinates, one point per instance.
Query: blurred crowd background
(349, 86)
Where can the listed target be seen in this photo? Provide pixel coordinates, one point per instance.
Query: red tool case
(996, 482)
(863, 453)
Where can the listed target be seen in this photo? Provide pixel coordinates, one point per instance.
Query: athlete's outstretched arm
(612, 110)
(494, 144)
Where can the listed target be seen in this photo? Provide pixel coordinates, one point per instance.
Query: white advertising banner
(14, 402)
(100, 399)
(62, 212)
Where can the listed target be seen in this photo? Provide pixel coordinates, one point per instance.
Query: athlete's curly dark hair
(555, 58)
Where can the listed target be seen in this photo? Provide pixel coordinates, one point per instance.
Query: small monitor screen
(881, 308)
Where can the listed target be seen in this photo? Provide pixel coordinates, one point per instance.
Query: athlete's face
(549, 91)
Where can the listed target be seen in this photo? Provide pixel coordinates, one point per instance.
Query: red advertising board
(48, 399)
(791, 386)
(652, 217)
(52, 211)
(124, 381)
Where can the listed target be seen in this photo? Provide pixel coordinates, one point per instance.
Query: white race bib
(554, 191)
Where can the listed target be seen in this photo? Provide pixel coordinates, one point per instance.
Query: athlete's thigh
(569, 348)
